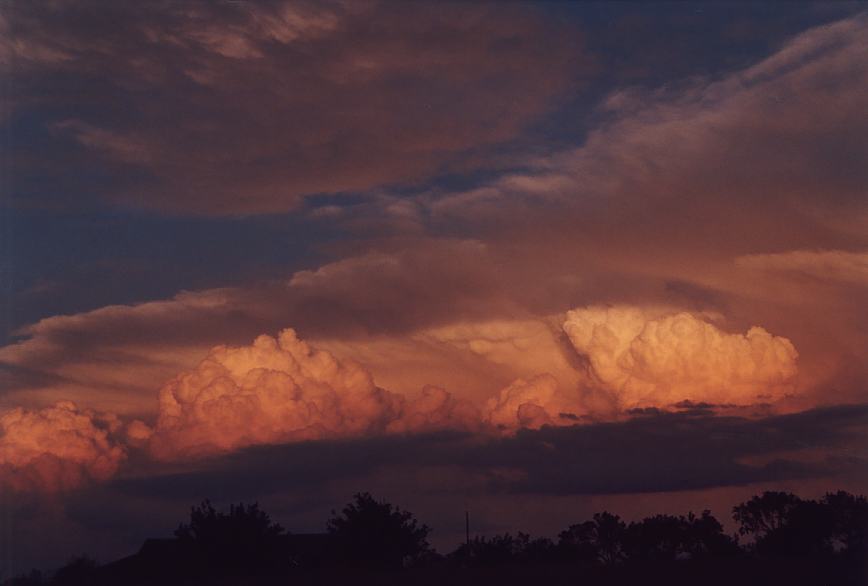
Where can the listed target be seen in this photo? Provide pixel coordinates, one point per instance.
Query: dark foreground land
(735, 572)
(729, 573)
(782, 539)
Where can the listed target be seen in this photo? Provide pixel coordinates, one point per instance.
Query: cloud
(680, 451)
(662, 462)
(276, 390)
(825, 265)
(720, 162)
(281, 390)
(670, 186)
(647, 358)
(528, 404)
(435, 410)
(111, 356)
(311, 97)
(643, 454)
(57, 448)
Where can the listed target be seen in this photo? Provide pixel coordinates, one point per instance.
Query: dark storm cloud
(661, 452)
(652, 452)
(240, 108)
(301, 483)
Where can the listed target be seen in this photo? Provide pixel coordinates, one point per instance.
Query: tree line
(826, 536)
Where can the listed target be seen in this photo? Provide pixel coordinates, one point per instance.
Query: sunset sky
(531, 260)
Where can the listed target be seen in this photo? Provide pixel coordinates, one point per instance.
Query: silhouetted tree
(245, 539)
(80, 571)
(375, 533)
(705, 537)
(666, 537)
(784, 525)
(849, 515)
(539, 549)
(579, 542)
(661, 537)
(602, 539)
(764, 514)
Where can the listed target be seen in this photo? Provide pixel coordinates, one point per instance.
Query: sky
(530, 260)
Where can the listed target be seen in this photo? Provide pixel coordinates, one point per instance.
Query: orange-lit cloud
(658, 358)
(57, 448)
(675, 198)
(530, 404)
(275, 390)
(435, 409)
(283, 390)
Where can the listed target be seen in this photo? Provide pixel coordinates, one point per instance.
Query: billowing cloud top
(651, 358)
(282, 390)
(275, 390)
(56, 448)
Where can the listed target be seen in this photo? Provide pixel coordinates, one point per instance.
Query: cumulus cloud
(653, 358)
(109, 357)
(282, 390)
(435, 409)
(506, 343)
(57, 448)
(275, 390)
(529, 403)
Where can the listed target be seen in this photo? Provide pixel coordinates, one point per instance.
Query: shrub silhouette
(244, 540)
(372, 533)
(495, 550)
(500, 549)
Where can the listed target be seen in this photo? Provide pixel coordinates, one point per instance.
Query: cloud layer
(674, 197)
(310, 97)
(837, 266)
(57, 448)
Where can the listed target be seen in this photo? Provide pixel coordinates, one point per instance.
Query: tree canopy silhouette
(667, 537)
(375, 533)
(791, 540)
(244, 538)
(782, 524)
(601, 539)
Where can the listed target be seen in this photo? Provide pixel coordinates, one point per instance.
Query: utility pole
(467, 528)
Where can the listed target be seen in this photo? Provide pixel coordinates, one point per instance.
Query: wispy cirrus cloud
(243, 108)
(835, 266)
